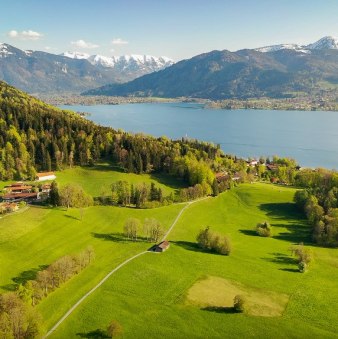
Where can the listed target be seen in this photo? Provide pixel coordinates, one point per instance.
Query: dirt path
(70, 311)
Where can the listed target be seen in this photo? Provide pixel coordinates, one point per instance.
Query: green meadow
(97, 179)
(183, 292)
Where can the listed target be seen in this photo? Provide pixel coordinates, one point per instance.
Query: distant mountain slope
(276, 71)
(41, 72)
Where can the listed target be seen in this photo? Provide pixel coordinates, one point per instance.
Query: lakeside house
(252, 163)
(42, 176)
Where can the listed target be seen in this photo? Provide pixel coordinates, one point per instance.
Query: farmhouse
(42, 176)
(45, 188)
(221, 176)
(162, 246)
(18, 187)
(21, 196)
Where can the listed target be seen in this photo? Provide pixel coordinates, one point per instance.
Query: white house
(45, 176)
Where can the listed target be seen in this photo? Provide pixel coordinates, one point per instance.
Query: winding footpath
(71, 310)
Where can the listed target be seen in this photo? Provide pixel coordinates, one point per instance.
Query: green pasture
(149, 296)
(98, 178)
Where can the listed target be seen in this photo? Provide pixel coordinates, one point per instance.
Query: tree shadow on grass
(293, 270)
(23, 277)
(169, 181)
(71, 217)
(116, 237)
(192, 246)
(285, 210)
(298, 228)
(219, 309)
(283, 259)
(98, 333)
(297, 232)
(188, 245)
(249, 232)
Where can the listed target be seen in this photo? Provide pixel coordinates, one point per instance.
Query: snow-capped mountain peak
(275, 48)
(4, 50)
(131, 62)
(328, 42)
(75, 55)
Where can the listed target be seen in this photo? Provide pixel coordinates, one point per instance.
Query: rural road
(70, 311)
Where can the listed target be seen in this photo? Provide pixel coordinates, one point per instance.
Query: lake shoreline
(284, 104)
(310, 137)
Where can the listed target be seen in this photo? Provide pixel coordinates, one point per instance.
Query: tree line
(18, 318)
(151, 230)
(319, 201)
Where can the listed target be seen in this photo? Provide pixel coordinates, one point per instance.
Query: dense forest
(37, 137)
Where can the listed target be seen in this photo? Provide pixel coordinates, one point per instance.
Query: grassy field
(97, 178)
(151, 296)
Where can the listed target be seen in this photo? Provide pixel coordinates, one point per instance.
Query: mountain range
(41, 72)
(273, 71)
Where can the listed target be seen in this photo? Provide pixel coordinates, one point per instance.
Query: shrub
(224, 246)
(114, 329)
(304, 256)
(302, 266)
(264, 229)
(240, 304)
(211, 241)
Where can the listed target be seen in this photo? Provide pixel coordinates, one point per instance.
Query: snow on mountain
(4, 52)
(125, 62)
(275, 48)
(328, 42)
(75, 55)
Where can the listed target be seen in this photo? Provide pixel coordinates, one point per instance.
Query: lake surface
(309, 137)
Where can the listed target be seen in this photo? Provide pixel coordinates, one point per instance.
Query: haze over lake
(309, 137)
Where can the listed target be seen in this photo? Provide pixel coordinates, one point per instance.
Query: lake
(309, 137)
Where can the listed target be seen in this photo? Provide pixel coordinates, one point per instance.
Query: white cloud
(119, 41)
(83, 44)
(25, 35)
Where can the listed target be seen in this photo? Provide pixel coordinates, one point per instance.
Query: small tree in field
(304, 256)
(240, 304)
(264, 229)
(114, 329)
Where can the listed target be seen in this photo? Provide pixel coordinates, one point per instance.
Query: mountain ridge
(247, 73)
(43, 72)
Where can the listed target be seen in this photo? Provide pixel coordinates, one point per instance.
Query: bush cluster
(264, 229)
(214, 242)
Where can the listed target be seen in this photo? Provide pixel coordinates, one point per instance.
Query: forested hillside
(36, 137)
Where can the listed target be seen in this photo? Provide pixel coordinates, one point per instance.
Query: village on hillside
(18, 194)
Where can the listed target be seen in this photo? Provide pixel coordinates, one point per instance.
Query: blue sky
(177, 29)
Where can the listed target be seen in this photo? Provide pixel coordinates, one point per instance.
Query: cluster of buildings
(20, 191)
